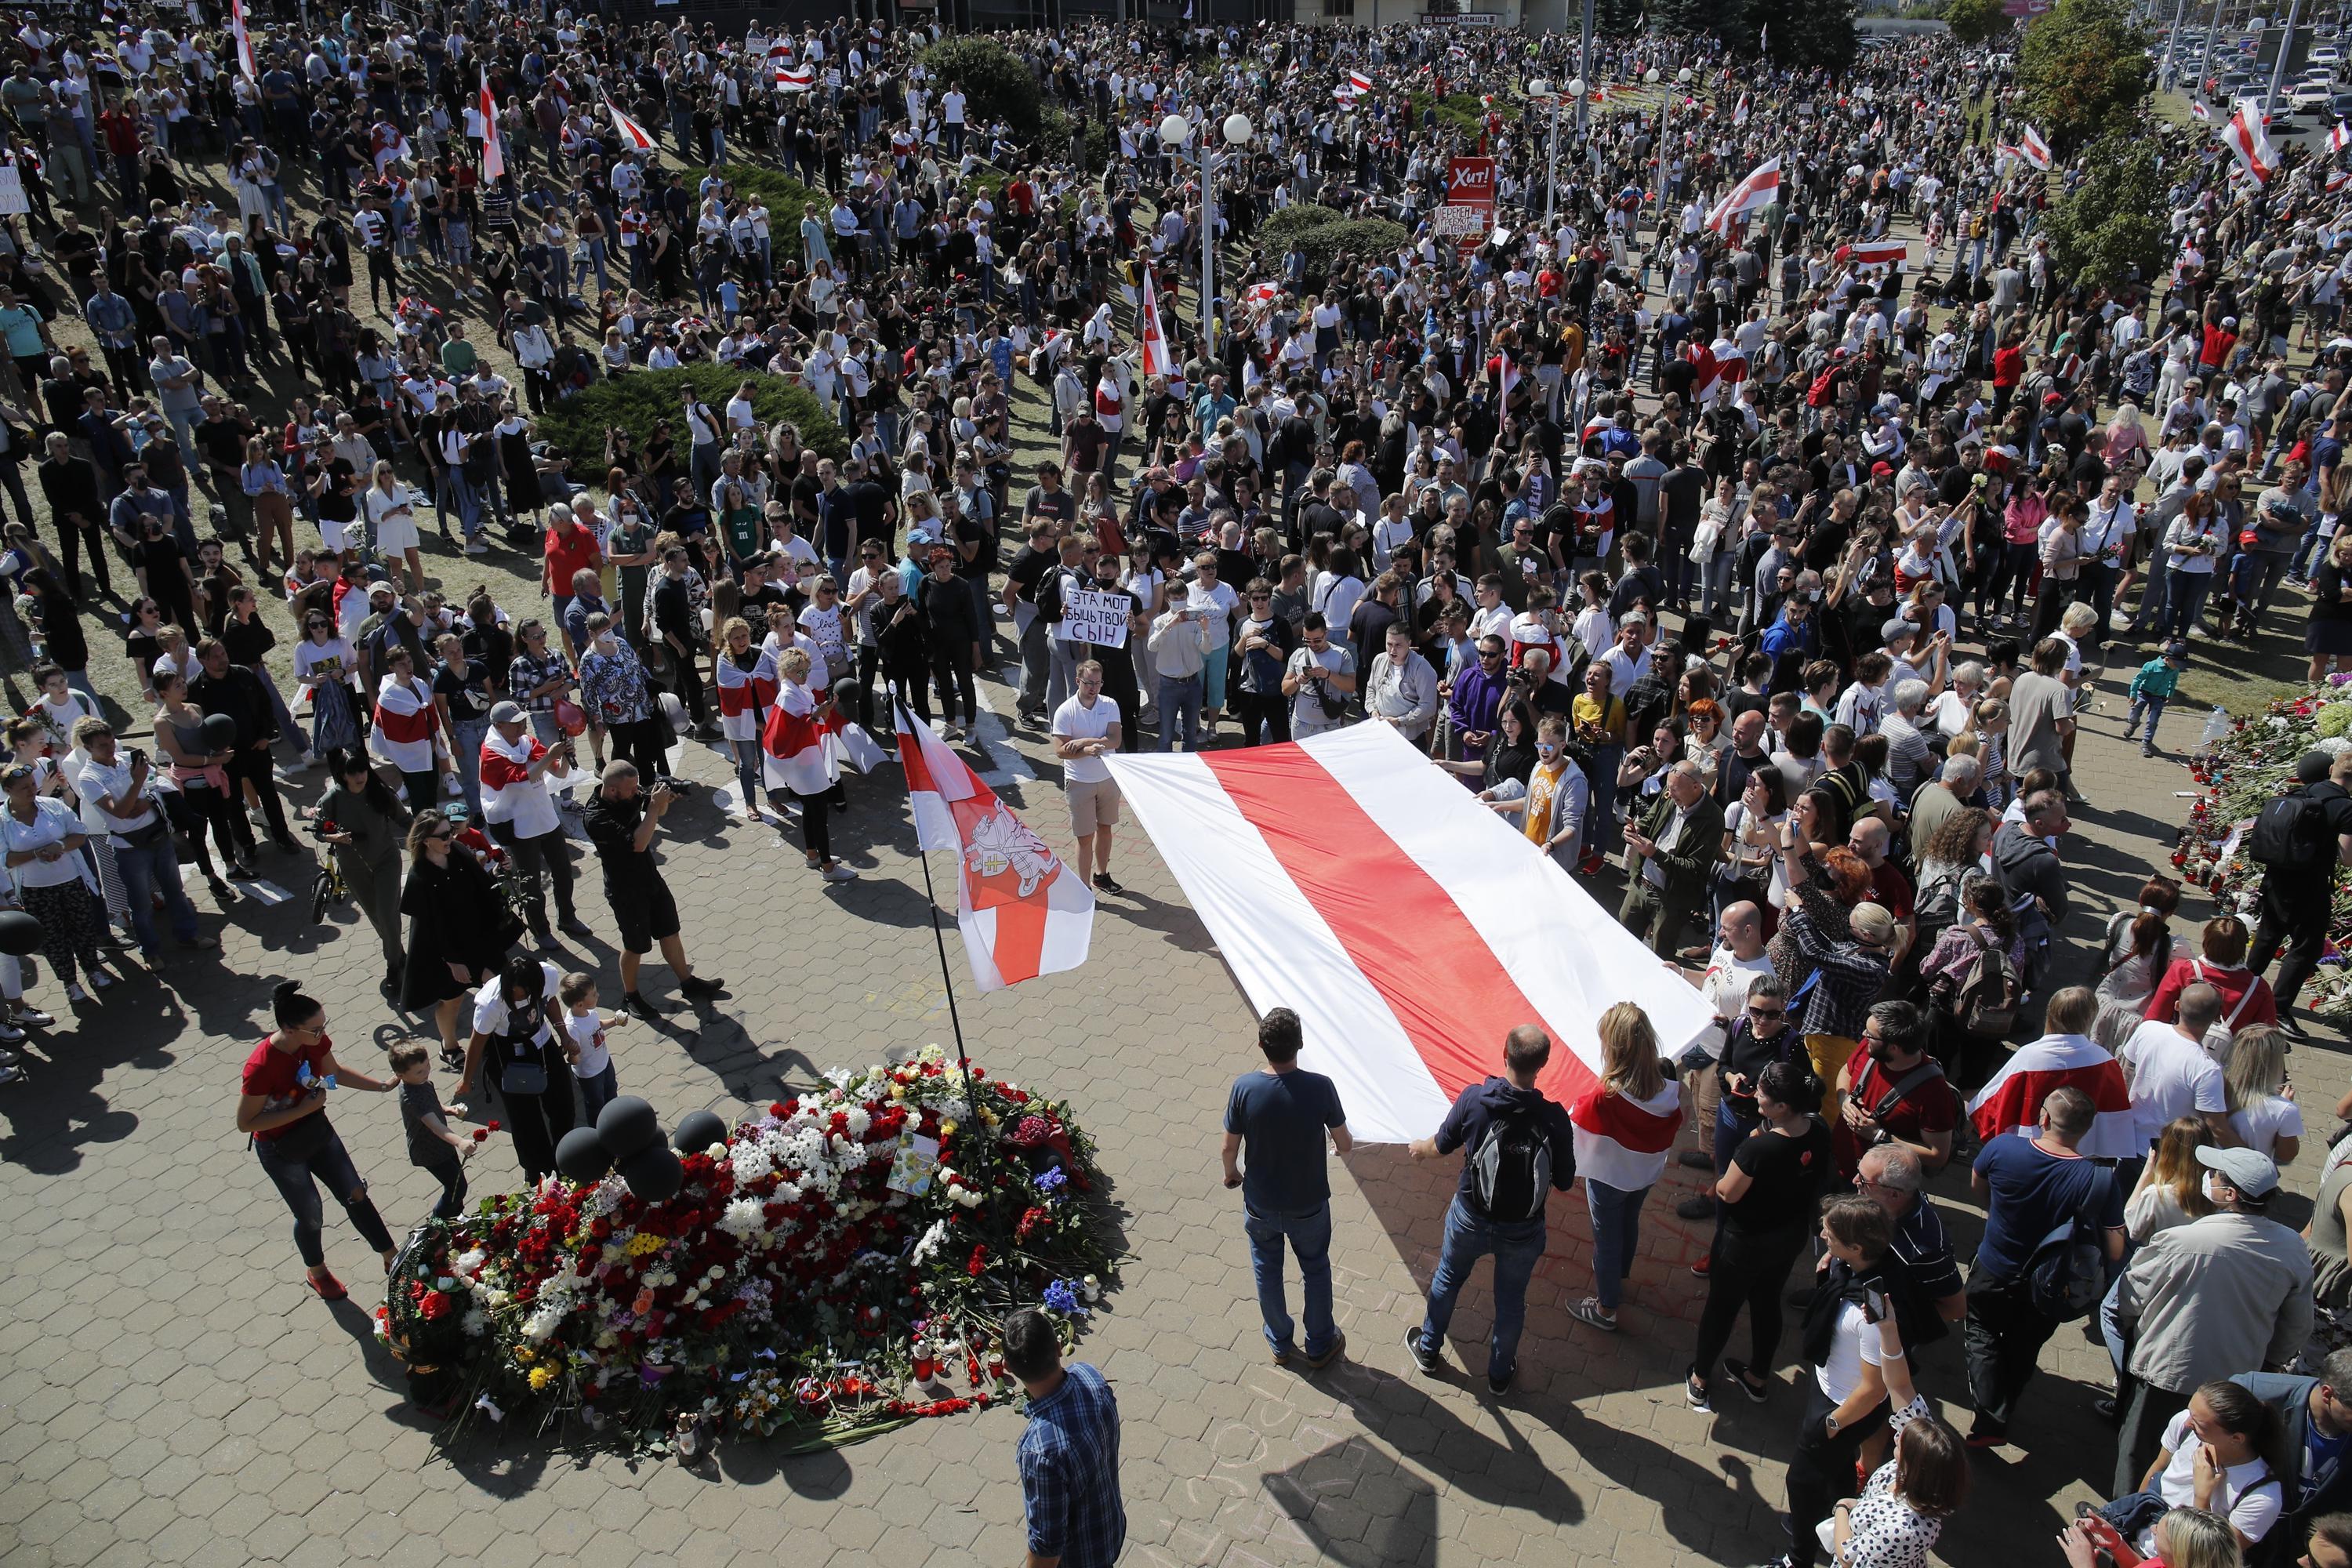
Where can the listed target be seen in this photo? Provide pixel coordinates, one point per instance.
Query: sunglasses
(1756, 1012)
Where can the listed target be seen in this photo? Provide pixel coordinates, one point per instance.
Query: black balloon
(220, 732)
(654, 1175)
(627, 1125)
(20, 933)
(698, 1130)
(582, 1156)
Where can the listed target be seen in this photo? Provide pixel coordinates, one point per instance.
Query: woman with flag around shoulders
(803, 745)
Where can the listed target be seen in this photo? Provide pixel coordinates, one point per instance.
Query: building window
(1340, 7)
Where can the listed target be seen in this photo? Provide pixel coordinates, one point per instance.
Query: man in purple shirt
(1471, 700)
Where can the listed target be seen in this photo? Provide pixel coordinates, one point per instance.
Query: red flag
(1022, 911)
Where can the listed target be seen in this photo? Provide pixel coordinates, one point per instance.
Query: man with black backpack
(2044, 1202)
(2228, 1290)
(2299, 840)
(1521, 1149)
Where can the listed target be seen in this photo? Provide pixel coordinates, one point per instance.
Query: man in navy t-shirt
(1278, 1114)
(1472, 1229)
(2030, 1186)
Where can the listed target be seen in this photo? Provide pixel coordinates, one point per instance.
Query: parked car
(2308, 95)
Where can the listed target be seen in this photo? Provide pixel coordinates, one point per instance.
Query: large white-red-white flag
(633, 135)
(794, 78)
(1157, 360)
(1022, 910)
(1760, 189)
(2251, 143)
(244, 61)
(494, 152)
(2012, 1102)
(1410, 928)
(2034, 149)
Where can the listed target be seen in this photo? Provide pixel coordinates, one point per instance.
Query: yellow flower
(541, 1377)
(988, 1116)
(522, 1356)
(946, 1128)
(642, 1244)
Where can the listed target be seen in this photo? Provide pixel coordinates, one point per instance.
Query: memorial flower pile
(835, 1265)
(2243, 767)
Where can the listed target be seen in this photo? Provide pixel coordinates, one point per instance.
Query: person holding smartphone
(1848, 1397)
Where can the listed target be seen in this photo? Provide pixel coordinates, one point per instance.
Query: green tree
(2110, 230)
(1000, 86)
(2083, 70)
(1976, 21)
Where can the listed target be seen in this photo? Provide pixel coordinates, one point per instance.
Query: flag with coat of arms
(1022, 910)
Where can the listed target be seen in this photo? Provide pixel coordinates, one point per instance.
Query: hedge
(1462, 111)
(997, 84)
(787, 198)
(1055, 138)
(576, 424)
(1325, 235)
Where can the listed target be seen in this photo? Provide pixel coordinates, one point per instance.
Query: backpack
(1511, 1168)
(2068, 1271)
(2284, 833)
(2221, 1031)
(1985, 1001)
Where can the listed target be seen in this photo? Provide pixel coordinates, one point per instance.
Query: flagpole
(931, 898)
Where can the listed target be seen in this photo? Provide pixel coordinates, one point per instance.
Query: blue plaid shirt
(1069, 1472)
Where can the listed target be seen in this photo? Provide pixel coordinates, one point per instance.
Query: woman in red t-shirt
(2246, 998)
(284, 1108)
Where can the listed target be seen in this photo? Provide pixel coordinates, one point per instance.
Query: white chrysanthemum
(858, 1120)
(742, 1219)
(540, 1326)
(854, 1156)
(751, 1163)
(476, 1323)
(609, 1195)
(2335, 745)
(933, 1239)
(470, 1263)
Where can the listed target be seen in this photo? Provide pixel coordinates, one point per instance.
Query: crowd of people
(1708, 552)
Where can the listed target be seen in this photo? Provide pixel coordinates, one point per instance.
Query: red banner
(1469, 211)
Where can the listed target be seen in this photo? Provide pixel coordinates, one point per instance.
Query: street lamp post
(1682, 82)
(1176, 131)
(1540, 89)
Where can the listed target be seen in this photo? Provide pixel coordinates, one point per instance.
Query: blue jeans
(2185, 596)
(2152, 708)
(1309, 1235)
(1616, 1237)
(596, 1092)
(143, 872)
(1180, 700)
(1516, 1248)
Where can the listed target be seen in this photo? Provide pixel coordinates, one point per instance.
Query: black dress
(523, 493)
(535, 1121)
(456, 914)
(2329, 633)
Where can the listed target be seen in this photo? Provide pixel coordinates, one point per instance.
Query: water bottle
(2217, 726)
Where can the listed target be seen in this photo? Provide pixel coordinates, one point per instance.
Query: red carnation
(494, 1126)
(979, 1263)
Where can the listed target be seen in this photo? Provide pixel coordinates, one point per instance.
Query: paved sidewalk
(171, 1392)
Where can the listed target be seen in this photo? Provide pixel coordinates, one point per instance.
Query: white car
(2309, 95)
(2325, 55)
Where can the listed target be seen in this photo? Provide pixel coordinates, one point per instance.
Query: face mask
(2211, 1185)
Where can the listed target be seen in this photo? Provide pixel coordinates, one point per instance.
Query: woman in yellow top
(1604, 729)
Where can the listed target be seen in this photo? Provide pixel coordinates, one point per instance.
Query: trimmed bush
(1325, 235)
(1055, 137)
(786, 197)
(576, 424)
(996, 83)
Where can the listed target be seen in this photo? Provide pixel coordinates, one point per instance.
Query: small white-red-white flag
(1760, 189)
(1022, 910)
(1740, 112)
(2034, 149)
(494, 152)
(1262, 294)
(1874, 253)
(1506, 373)
(1359, 81)
(2197, 107)
(2339, 136)
(1157, 360)
(1720, 366)
(633, 135)
(2246, 138)
(244, 61)
(791, 79)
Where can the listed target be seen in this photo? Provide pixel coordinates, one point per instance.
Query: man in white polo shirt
(1086, 730)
